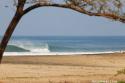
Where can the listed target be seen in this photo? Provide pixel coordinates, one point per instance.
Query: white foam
(44, 50)
(55, 53)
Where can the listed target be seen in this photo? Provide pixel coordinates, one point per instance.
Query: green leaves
(112, 9)
(101, 6)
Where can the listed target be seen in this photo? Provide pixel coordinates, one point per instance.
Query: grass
(120, 72)
(121, 81)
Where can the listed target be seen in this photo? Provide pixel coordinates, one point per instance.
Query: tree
(111, 9)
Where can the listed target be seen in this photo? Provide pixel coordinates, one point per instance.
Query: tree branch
(76, 8)
(20, 6)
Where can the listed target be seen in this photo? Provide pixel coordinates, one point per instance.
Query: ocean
(49, 45)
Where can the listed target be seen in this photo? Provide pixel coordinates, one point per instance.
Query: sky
(50, 21)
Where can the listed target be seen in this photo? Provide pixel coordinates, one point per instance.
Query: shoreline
(68, 57)
(57, 69)
(58, 53)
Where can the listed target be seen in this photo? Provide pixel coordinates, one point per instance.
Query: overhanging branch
(76, 8)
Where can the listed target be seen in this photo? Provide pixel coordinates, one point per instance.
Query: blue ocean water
(65, 44)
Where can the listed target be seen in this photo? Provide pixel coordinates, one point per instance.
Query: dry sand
(62, 69)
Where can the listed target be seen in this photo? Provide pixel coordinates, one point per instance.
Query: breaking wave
(27, 48)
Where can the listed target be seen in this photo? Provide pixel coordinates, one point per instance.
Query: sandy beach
(62, 69)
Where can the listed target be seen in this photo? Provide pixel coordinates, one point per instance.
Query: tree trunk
(8, 33)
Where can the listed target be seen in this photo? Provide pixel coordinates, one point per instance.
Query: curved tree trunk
(8, 33)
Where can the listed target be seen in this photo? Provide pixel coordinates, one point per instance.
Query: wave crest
(28, 48)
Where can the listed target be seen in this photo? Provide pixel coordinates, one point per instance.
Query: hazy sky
(59, 22)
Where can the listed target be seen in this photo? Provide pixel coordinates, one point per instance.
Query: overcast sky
(59, 22)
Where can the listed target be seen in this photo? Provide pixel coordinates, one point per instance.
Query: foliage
(121, 82)
(121, 72)
(112, 9)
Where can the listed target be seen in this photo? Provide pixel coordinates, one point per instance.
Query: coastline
(58, 53)
(82, 68)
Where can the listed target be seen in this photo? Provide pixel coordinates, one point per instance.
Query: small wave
(36, 47)
(12, 48)
(27, 48)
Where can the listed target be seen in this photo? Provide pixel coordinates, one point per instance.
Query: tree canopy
(112, 9)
